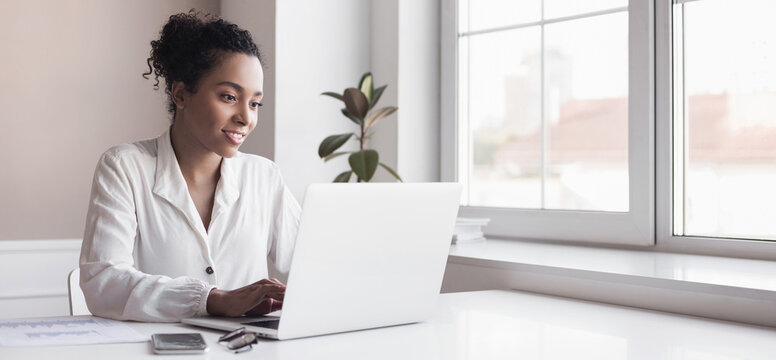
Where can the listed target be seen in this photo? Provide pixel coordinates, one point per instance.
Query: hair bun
(190, 44)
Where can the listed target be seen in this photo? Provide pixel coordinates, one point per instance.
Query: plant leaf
(364, 163)
(343, 177)
(393, 172)
(352, 118)
(376, 115)
(376, 96)
(367, 86)
(336, 154)
(332, 143)
(334, 95)
(356, 103)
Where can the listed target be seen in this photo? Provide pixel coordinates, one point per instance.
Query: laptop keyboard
(270, 324)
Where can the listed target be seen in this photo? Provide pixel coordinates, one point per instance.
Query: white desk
(485, 325)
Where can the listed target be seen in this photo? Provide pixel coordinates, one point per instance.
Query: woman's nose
(240, 119)
(243, 116)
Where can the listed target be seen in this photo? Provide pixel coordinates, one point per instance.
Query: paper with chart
(66, 330)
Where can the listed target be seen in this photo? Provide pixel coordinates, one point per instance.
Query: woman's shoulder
(139, 151)
(254, 162)
(256, 167)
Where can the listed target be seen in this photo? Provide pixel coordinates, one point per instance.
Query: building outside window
(562, 111)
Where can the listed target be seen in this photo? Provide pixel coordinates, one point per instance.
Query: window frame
(635, 227)
(661, 238)
(666, 240)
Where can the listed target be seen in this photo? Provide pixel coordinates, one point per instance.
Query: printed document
(66, 330)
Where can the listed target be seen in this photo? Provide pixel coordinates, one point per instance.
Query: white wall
(326, 46)
(320, 46)
(405, 54)
(33, 276)
(418, 141)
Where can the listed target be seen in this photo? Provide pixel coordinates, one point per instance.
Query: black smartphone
(188, 343)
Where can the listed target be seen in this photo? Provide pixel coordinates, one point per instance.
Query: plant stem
(362, 140)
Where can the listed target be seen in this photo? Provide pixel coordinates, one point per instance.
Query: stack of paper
(66, 330)
(469, 230)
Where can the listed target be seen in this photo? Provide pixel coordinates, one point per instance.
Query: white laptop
(366, 256)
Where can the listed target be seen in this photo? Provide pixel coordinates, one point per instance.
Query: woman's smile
(235, 137)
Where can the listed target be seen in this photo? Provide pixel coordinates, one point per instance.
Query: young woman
(182, 225)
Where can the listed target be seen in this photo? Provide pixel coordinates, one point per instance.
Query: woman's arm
(112, 286)
(284, 225)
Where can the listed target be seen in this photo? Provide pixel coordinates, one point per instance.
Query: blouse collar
(170, 184)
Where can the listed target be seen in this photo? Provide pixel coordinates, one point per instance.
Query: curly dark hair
(192, 44)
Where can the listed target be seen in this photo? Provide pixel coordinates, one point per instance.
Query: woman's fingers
(279, 296)
(268, 291)
(262, 296)
(266, 307)
(275, 306)
(265, 290)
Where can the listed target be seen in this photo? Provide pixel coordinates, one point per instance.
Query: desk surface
(485, 325)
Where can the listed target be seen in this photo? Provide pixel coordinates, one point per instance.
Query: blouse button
(209, 270)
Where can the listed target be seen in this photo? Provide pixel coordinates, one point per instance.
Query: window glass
(729, 119)
(586, 102)
(543, 114)
(504, 113)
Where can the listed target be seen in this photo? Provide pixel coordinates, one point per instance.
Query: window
(546, 118)
(554, 121)
(725, 128)
(630, 122)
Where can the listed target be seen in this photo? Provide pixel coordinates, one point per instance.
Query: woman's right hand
(239, 301)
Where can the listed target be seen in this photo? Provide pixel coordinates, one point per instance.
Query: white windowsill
(718, 287)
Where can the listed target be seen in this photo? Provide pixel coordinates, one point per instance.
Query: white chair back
(75, 295)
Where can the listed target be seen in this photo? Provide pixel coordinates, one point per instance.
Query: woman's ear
(179, 94)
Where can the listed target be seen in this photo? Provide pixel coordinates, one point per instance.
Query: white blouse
(146, 255)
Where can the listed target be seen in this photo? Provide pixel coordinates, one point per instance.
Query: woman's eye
(256, 105)
(229, 97)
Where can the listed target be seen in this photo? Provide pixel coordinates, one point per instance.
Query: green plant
(358, 108)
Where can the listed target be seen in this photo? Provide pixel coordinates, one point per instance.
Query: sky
(729, 47)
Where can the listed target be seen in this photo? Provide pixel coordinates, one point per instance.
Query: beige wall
(70, 87)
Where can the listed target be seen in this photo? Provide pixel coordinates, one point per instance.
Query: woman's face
(224, 110)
